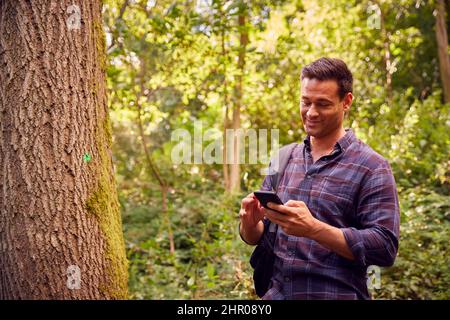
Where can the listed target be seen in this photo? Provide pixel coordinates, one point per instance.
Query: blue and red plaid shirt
(353, 189)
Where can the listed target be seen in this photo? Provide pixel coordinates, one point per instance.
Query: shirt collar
(343, 143)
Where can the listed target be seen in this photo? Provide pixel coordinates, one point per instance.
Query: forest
(97, 99)
(236, 64)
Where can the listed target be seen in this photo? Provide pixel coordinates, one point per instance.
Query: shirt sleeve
(375, 241)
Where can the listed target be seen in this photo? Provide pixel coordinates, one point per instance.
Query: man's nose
(312, 112)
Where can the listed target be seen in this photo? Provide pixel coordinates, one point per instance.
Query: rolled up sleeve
(375, 240)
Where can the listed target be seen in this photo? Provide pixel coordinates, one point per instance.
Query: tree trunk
(387, 54)
(163, 185)
(60, 225)
(442, 42)
(226, 120)
(235, 175)
(165, 211)
(157, 175)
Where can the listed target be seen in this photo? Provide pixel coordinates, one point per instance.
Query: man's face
(321, 108)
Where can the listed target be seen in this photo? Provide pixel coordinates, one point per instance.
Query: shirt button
(308, 177)
(291, 253)
(287, 279)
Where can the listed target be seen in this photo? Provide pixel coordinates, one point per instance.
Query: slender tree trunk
(236, 119)
(226, 119)
(165, 210)
(235, 173)
(226, 176)
(162, 183)
(387, 54)
(60, 226)
(442, 42)
(151, 164)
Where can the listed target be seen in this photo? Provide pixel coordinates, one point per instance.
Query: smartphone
(265, 197)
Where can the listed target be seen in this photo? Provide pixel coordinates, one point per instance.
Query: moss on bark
(103, 201)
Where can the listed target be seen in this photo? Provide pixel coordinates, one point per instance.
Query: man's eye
(306, 104)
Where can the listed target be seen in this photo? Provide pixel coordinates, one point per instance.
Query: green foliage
(210, 261)
(177, 61)
(420, 147)
(422, 268)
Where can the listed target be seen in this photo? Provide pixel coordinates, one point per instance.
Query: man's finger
(253, 205)
(274, 216)
(246, 202)
(294, 203)
(277, 218)
(281, 208)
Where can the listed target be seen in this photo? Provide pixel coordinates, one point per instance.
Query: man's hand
(251, 215)
(293, 217)
(251, 211)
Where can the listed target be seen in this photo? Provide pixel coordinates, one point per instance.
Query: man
(340, 212)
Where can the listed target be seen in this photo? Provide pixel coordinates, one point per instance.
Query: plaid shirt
(352, 189)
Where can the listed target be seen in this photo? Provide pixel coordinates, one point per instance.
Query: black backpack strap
(279, 163)
(277, 167)
(263, 256)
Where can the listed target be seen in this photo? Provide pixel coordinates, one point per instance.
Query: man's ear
(348, 102)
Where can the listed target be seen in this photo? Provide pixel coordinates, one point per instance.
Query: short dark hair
(330, 69)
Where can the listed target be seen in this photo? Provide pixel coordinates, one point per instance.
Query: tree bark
(60, 226)
(442, 42)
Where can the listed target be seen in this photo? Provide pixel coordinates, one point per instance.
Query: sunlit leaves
(178, 62)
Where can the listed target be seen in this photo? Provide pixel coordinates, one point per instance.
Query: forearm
(331, 238)
(251, 234)
(376, 245)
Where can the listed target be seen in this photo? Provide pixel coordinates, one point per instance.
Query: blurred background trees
(236, 64)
